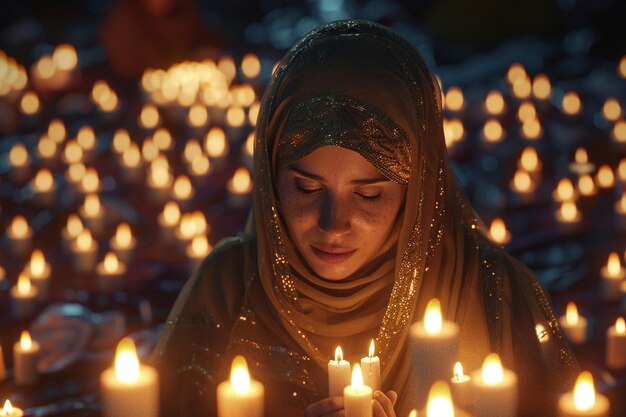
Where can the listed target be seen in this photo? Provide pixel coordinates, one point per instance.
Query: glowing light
(76, 172)
(357, 377)
(198, 115)
(162, 139)
(171, 213)
(227, 66)
(149, 150)
(605, 177)
(542, 333)
(613, 266)
(84, 241)
(123, 235)
(200, 166)
(126, 362)
(243, 95)
(250, 65)
(23, 284)
(74, 225)
(86, 138)
(372, 350)
(235, 116)
(454, 99)
(522, 88)
(620, 326)
(92, 206)
(100, 91)
(44, 181)
(37, 264)
(45, 67)
(26, 342)
(7, 410)
(439, 401)
(541, 87)
(30, 104)
(493, 131)
(531, 129)
(215, 143)
(611, 109)
(432, 317)
(241, 181)
(571, 103)
(569, 212)
(199, 221)
(131, 158)
(581, 156)
(200, 246)
(515, 73)
(253, 113)
(621, 68)
(619, 131)
(187, 227)
(494, 103)
(620, 205)
(586, 185)
(239, 375)
(19, 227)
(111, 263)
(453, 130)
(182, 188)
(526, 111)
(492, 371)
(249, 145)
(91, 181)
(121, 140)
(18, 156)
(56, 130)
(498, 231)
(458, 372)
(522, 181)
(621, 169)
(584, 392)
(65, 57)
(571, 314)
(46, 147)
(338, 354)
(73, 153)
(149, 116)
(529, 160)
(192, 150)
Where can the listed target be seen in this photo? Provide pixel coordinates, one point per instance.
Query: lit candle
(183, 191)
(526, 111)
(453, 131)
(357, 397)
(605, 177)
(159, 179)
(613, 275)
(247, 151)
(197, 250)
(571, 104)
(494, 103)
(149, 117)
(250, 65)
(197, 117)
(130, 388)
(72, 153)
(495, 389)
(564, 191)
(110, 273)
(25, 355)
(39, 272)
(240, 396)
(581, 164)
(568, 215)
(23, 297)
(433, 348)
(30, 104)
(71, 231)
(461, 387)
(531, 129)
(20, 163)
(370, 365)
(493, 132)
(522, 185)
(90, 182)
(93, 213)
(124, 243)
(586, 185)
(149, 150)
(618, 133)
(574, 325)
(57, 131)
(86, 139)
(611, 109)
(616, 345)
(168, 220)
(19, 235)
(529, 161)
(338, 374)
(85, 251)
(239, 188)
(439, 403)
(74, 174)
(163, 139)
(583, 401)
(192, 150)
(498, 231)
(199, 169)
(44, 187)
(522, 87)
(186, 230)
(47, 149)
(454, 100)
(216, 146)
(10, 411)
(121, 141)
(131, 163)
(542, 89)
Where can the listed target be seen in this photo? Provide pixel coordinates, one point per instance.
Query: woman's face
(339, 209)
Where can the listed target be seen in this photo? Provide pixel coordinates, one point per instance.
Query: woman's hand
(333, 407)
(383, 404)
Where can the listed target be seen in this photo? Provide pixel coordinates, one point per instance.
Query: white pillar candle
(25, 355)
(357, 397)
(616, 345)
(495, 389)
(19, 235)
(574, 325)
(8, 410)
(613, 274)
(370, 365)
(461, 387)
(85, 251)
(338, 374)
(3, 368)
(124, 243)
(440, 403)
(583, 401)
(433, 346)
(110, 273)
(23, 298)
(239, 188)
(240, 396)
(39, 272)
(129, 388)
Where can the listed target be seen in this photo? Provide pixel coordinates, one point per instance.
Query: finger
(393, 396)
(324, 407)
(385, 403)
(377, 409)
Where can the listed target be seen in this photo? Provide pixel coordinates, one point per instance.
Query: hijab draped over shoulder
(359, 86)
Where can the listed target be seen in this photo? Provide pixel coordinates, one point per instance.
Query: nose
(334, 217)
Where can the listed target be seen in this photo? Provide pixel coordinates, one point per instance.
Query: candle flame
(564, 189)
(74, 225)
(91, 181)
(493, 131)
(149, 150)
(571, 103)
(357, 377)
(192, 150)
(18, 155)
(413, 413)
(235, 116)
(111, 263)
(584, 392)
(458, 372)
(571, 314)
(239, 375)
(171, 213)
(522, 87)
(541, 87)
(620, 325)
(432, 317)
(371, 351)
(19, 227)
(215, 143)
(569, 211)
(581, 156)
(86, 138)
(26, 343)
(619, 131)
(73, 153)
(613, 265)
(30, 103)
(338, 354)
(187, 226)
(529, 159)
(531, 129)
(198, 115)
(56, 130)
(46, 147)
(182, 187)
(37, 263)
(439, 401)
(76, 172)
(7, 410)
(162, 139)
(241, 181)
(526, 111)
(611, 109)
(200, 246)
(92, 205)
(250, 65)
(454, 100)
(23, 284)
(492, 371)
(65, 57)
(126, 362)
(131, 158)
(605, 176)
(123, 235)
(494, 103)
(44, 180)
(522, 181)
(586, 185)
(200, 166)
(149, 116)
(498, 231)
(515, 72)
(84, 241)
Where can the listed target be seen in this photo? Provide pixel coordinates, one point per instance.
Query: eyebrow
(363, 181)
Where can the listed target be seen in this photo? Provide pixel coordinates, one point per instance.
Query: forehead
(335, 161)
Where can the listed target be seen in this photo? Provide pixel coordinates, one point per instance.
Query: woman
(356, 224)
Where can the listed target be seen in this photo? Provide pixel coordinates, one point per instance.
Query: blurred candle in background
(123, 243)
(39, 272)
(25, 356)
(85, 251)
(494, 103)
(564, 191)
(72, 229)
(23, 298)
(19, 160)
(495, 389)
(44, 187)
(19, 235)
(574, 325)
(583, 401)
(613, 275)
(605, 177)
(616, 345)
(168, 220)
(110, 273)
(239, 188)
(498, 231)
(571, 103)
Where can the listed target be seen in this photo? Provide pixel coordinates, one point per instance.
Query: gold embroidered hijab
(360, 86)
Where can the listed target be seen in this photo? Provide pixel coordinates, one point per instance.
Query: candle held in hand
(370, 365)
(338, 374)
(357, 396)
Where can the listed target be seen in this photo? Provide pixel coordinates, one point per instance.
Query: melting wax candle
(370, 365)
(240, 396)
(357, 397)
(495, 389)
(583, 401)
(338, 374)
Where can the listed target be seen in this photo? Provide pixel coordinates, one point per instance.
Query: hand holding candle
(370, 365)
(357, 397)
(240, 396)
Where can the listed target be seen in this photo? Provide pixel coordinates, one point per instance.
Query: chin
(332, 274)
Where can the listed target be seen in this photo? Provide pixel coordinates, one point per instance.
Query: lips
(332, 254)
